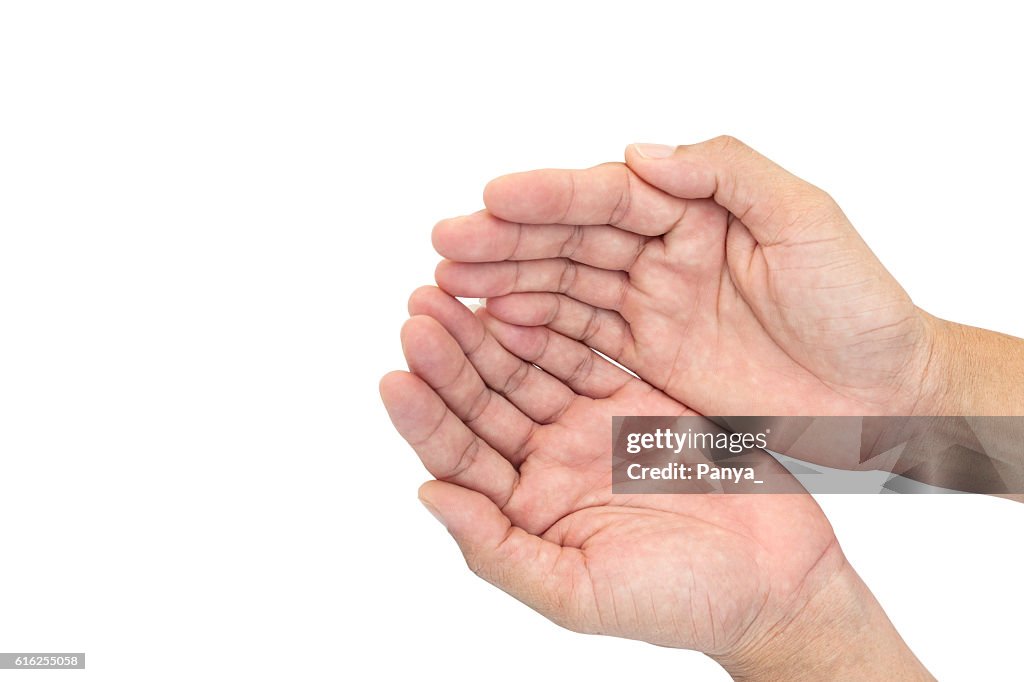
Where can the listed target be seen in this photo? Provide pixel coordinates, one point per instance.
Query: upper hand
(714, 274)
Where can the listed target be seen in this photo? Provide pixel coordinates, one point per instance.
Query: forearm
(975, 372)
(842, 633)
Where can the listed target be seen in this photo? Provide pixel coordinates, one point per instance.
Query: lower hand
(522, 458)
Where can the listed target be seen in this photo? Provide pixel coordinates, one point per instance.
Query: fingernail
(433, 511)
(654, 151)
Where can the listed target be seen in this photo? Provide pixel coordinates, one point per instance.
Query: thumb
(523, 565)
(774, 204)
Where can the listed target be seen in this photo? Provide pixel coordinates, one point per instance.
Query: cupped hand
(712, 273)
(515, 424)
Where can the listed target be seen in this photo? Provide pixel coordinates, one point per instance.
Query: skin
(523, 485)
(729, 287)
(725, 281)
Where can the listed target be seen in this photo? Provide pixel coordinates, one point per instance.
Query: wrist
(971, 371)
(841, 633)
(941, 378)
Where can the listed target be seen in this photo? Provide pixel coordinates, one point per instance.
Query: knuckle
(728, 143)
(568, 277)
(622, 293)
(478, 405)
(554, 310)
(582, 369)
(828, 202)
(816, 203)
(476, 565)
(515, 380)
(572, 242)
(592, 326)
(465, 459)
(557, 413)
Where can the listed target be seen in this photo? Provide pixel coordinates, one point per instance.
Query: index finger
(609, 194)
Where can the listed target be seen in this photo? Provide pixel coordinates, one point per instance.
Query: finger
(773, 203)
(601, 329)
(445, 445)
(609, 194)
(583, 370)
(483, 237)
(534, 571)
(540, 396)
(436, 357)
(602, 288)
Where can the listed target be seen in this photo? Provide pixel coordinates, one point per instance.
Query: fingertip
(629, 153)
(650, 151)
(671, 171)
(428, 490)
(390, 384)
(496, 306)
(434, 302)
(421, 298)
(451, 236)
(443, 274)
(469, 515)
(438, 234)
(396, 388)
(495, 192)
(412, 404)
(489, 320)
(526, 342)
(449, 312)
(536, 196)
(427, 345)
(526, 309)
(457, 278)
(414, 327)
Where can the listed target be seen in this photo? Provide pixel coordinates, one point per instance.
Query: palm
(748, 316)
(692, 570)
(682, 293)
(682, 570)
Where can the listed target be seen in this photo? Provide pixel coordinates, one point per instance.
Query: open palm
(514, 422)
(751, 295)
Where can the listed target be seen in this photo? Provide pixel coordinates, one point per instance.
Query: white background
(211, 214)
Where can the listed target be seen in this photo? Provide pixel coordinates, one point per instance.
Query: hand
(523, 460)
(711, 272)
